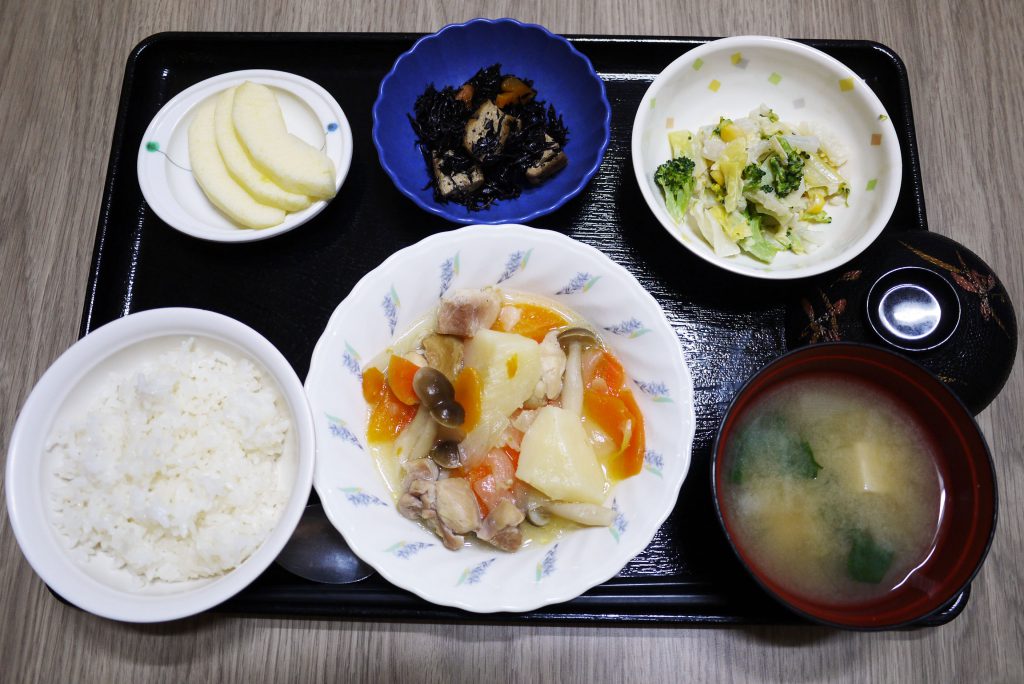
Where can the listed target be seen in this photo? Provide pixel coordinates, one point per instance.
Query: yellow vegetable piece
(731, 164)
(817, 200)
(731, 132)
(679, 143)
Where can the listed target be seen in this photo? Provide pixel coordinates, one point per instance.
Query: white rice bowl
(150, 496)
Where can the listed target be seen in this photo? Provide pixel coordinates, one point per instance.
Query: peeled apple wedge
(241, 167)
(212, 175)
(288, 161)
(556, 458)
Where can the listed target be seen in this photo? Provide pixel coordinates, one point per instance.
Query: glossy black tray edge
(638, 600)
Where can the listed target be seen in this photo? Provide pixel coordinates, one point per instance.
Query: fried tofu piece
(551, 162)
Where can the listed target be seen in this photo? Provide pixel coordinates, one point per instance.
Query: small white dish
(386, 302)
(310, 113)
(94, 585)
(733, 76)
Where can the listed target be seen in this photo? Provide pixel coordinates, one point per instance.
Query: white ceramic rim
(890, 186)
(27, 512)
(517, 603)
(171, 115)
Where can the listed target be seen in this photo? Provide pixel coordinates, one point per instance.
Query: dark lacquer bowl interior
(964, 463)
(562, 76)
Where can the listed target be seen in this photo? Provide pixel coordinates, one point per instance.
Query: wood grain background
(61, 63)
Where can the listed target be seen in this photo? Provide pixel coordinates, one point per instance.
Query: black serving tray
(287, 287)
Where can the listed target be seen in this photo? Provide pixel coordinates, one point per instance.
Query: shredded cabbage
(762, 185)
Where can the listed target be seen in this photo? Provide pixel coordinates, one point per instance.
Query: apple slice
(212, 175)
(241, 167)
(290, 162)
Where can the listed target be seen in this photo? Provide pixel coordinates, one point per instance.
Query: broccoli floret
(786, 173)
(676, 180)
(752, 174)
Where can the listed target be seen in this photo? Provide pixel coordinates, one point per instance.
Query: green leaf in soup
(801, 461)
(768, 441)
(868, 560)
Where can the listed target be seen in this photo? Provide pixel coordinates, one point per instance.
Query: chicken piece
(420, 501)
(511, 438)
(551, 162)
(501, 526)
(508, 539)
(464, 312)
(523, 419)
(457, 184)
(552, 366)
(487, 132)
(419, 469)
(457, 506)
(509, 316)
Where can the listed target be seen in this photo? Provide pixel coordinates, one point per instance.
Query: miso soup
(832, 489)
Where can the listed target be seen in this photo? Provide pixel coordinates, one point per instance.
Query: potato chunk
(509, 368)
(557, 459)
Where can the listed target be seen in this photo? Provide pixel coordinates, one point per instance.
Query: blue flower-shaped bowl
(562, 76)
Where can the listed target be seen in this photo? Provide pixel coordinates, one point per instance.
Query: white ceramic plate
(407, 285)
(163, 165)
(93, 584)
(733, 76)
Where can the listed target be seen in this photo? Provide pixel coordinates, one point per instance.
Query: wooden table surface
(61, 64)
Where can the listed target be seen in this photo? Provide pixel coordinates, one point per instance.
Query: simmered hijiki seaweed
(487, 139)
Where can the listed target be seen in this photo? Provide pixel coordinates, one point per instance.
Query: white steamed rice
(175, 470)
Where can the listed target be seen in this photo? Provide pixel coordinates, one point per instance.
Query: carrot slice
(610, 414)
(400, 374)
(608, 368)
(513, 456)
(469, 394)
(388, 417)
(535, 321)
(373, 385)
(482, 482)
(619, 417)
(631, 460)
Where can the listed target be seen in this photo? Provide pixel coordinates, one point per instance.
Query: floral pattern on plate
(477, 578)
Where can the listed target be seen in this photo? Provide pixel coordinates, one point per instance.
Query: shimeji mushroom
(574, 341)
(436, 393)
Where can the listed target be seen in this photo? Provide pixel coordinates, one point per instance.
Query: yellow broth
(832, 489)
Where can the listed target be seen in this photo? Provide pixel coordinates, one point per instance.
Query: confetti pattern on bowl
(401, 290)
(733, 76)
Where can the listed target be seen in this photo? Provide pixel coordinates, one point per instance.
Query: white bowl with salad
(766, 157)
